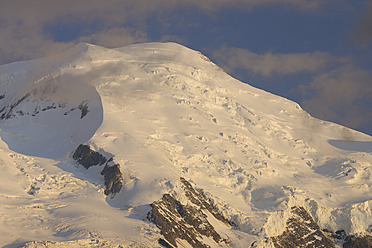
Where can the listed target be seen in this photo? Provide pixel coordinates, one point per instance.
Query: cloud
(26, 27)
(115, 37)
(362, 34)
(343, 95)
(24, 32)
(24, 42)
(213, 5)
(269, 64)
(338, 91)
(173, 38)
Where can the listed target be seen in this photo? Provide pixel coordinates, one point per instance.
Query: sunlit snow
(165, 111)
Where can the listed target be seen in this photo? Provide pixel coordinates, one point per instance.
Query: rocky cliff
(190, 221)
(113, 177)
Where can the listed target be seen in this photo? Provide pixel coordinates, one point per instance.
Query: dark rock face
(187, 222)
(338, 236)
(166, 214)
(87, 157)
(7, 111)
(355, 241)
(199, 200)
(164, 243)
(302, 231)
(113, 178)
(11, 111)
(83, 108)
(352, 240)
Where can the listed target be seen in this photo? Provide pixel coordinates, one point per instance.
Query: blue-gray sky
(315, 52)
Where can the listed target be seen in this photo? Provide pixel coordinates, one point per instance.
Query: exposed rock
(338, 236)
(199, 200)
(83, 108)
(92, 242)
(113, 177)
(53, 106)
(164, 243)
(7, 112)
(12, 110)
(177, 221)
(33, 190)
(358, 241)
(341, 239)
(87, 157)
(187, 222)
(302, 231)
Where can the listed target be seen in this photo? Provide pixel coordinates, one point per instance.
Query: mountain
(153, 145)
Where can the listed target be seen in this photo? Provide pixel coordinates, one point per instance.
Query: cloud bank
(338, 91)
(343, 95)
(26, 26)
(363, 33)
(270, 64)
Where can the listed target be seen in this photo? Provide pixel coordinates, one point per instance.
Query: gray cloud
(340, 91)
(269, 64)
(363, 33)
(115, 37)
(24, 33)
(342, 95)
(24, 42)
(212, 5)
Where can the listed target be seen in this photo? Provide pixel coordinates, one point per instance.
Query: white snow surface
(165, 111)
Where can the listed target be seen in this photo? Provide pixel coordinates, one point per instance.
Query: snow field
(165, 112)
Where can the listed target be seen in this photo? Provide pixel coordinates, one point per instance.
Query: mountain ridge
(167, 112)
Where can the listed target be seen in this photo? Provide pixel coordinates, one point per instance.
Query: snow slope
(165, 111)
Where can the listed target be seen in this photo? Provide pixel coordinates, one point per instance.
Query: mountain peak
(165, 112)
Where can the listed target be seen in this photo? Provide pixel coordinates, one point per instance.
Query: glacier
(170, 118)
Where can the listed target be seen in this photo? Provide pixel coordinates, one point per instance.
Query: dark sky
(315, 52)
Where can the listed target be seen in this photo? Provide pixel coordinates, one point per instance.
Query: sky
(315, 52)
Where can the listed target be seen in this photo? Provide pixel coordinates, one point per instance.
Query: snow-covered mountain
(153, 145)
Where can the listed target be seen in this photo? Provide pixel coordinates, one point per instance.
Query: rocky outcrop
(113, 178)
(199, 200)
(87, 157)
(83, 108)
(7, 111)
(187, 222)
(358, 241)
(87, 243)
(16, 109)
(302, 231)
